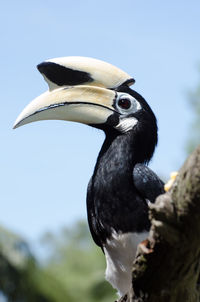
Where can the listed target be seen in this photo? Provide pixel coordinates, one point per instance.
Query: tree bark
(167, 265)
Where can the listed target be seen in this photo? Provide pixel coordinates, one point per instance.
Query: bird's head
(92, 92)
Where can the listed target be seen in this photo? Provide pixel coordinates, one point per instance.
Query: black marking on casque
(129, 82)
(61, 75)
(125, 84)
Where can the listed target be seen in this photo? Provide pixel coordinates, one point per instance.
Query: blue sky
(45, 167)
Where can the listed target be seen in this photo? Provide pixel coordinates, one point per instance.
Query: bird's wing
(148, 184)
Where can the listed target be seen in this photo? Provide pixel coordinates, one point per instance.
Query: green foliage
(78, 264)
(72, 271)
(22, 279)
(194, 131)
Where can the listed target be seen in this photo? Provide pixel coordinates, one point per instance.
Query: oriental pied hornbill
(96, 93)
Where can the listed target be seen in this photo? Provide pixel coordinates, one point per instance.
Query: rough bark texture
(167, 266)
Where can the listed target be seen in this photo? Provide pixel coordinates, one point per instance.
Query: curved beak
(84, 104)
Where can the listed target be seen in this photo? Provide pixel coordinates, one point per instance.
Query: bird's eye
(124, 103)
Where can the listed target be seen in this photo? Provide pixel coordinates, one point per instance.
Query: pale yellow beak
(84, 104)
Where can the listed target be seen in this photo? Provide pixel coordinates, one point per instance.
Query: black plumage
(98, 94)
(121, 184)
(147, 183)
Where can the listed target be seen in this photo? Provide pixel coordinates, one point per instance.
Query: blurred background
(46, 253)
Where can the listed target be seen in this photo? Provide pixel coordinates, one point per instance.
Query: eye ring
(124, 103)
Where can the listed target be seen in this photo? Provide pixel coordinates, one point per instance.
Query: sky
(45, 166)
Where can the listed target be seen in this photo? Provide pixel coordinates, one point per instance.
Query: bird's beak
(84, 104)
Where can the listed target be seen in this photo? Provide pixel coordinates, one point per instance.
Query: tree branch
(167, 265)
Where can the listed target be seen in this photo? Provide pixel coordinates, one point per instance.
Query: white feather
(126, 124)
(120, 252)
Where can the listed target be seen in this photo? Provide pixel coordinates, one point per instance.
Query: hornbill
(97, 93)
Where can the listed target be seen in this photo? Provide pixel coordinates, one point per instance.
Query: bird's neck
(117, 151)
(111, 187)
(124, 150)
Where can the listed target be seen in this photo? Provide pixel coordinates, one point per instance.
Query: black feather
(116, 197)
(148, 184)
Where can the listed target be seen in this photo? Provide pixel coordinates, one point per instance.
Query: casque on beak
(80, 89)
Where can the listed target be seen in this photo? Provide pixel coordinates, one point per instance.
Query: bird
(97, 93)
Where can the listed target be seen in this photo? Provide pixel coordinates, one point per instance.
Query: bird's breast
(118, 206)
